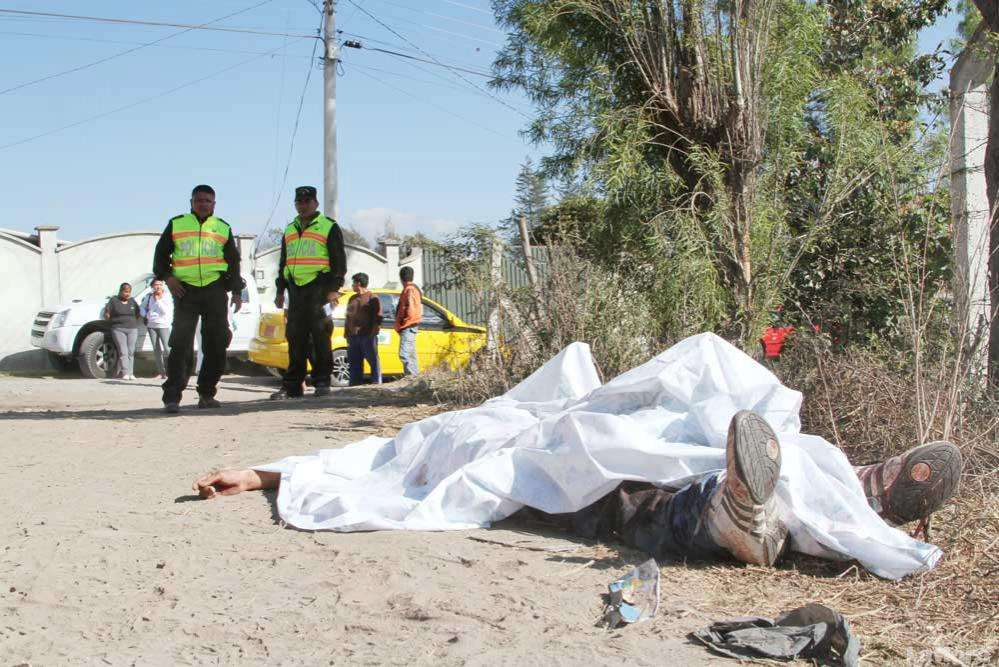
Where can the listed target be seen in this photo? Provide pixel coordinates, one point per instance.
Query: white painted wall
(38, 271)
(969, 113)
(21, 299)
(94, 268)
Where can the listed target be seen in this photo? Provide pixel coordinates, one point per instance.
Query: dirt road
(106, 558)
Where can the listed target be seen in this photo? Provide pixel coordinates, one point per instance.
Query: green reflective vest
(306, 254)
(197, 249)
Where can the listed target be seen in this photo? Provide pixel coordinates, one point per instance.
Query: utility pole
(330, 60)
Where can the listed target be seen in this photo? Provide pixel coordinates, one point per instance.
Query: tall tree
(531, 194)
(667, 94)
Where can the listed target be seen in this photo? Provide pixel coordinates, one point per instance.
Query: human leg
(120, 339)
(297, 333)
(370, 349)
(132, 337)
(161, 348)
(319, 337)
(185, 318)
(215, 337)
(913, 484)
(355, 359)
(742, 516)
(407, 351)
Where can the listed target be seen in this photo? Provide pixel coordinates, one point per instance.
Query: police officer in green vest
(197, 258)
(312, 266)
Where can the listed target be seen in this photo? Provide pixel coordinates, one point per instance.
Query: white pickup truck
(76, 333)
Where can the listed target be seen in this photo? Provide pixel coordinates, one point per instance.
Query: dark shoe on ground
(914, 484)
(206, 402)
(283, 395)
(171, 408)
(321, 390)
(742, 516)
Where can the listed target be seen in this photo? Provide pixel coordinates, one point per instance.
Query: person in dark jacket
(123, 313)
(364, 318)
(312, 266)
(197, 257)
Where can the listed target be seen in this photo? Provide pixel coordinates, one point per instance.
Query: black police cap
(305, 192)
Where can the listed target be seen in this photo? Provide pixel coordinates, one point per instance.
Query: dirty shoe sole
(928, 477)
(756, 454)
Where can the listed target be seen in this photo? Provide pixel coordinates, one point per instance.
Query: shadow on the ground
(337, 400)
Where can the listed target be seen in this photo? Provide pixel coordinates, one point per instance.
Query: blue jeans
(407, 351)
(359, 350)
(659, 522)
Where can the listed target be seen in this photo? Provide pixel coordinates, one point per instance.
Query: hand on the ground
(279, 301)
(175, 287)
(226, 482)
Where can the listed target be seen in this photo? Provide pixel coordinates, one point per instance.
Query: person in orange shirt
(408, 316)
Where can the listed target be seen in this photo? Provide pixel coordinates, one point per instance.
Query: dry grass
(954, 606)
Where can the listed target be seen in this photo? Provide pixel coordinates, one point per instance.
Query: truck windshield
(140, 283)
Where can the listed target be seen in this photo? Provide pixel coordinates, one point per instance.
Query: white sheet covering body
(559, 441)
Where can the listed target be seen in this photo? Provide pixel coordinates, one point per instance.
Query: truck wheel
(341, 369)
(98, 356)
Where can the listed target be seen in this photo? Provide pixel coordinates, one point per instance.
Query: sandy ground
(106, 558)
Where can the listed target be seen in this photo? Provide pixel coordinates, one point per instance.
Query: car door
(388, 339)
(433, 337)
(244, 321)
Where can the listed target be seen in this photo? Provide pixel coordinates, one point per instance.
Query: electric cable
(192, 26)
(456, 73)
(436, 106)
(80, 68)
(138, 102)
(121, 41)
(291, 147)
(460, 4)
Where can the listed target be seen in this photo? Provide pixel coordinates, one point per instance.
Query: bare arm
(231, 482)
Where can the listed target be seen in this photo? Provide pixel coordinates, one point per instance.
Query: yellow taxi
(443, 338)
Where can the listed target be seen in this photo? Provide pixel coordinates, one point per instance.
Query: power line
(291, 147)
(444, 31)
(456, 73)
(441, 16)
(139, 102)
(424, 60)
(163, 24)
(80, 68)
(121, 41)
(433, 104)
(396, 45)
(476, 9)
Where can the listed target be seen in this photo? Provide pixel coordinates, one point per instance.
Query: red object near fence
(773, 340)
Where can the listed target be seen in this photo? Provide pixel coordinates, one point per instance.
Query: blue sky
(417, 144)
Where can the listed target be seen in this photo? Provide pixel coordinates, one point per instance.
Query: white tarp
(559, 441)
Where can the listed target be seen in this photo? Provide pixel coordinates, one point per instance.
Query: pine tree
(530, 198)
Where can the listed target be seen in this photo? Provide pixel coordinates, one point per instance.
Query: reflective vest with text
(306, 254)
(198, 249)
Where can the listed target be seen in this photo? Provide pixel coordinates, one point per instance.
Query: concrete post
(969, 109)
(245, 243)
(47, 243)
(390, 248)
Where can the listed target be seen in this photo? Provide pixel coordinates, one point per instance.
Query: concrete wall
(38, 271)
(21, 298)
(382, 269)
(96, 267)
(969, 113)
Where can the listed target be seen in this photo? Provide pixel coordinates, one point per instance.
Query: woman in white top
(157, 313)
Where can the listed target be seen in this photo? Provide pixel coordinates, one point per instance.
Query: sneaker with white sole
(742, 515)
(913, 484)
